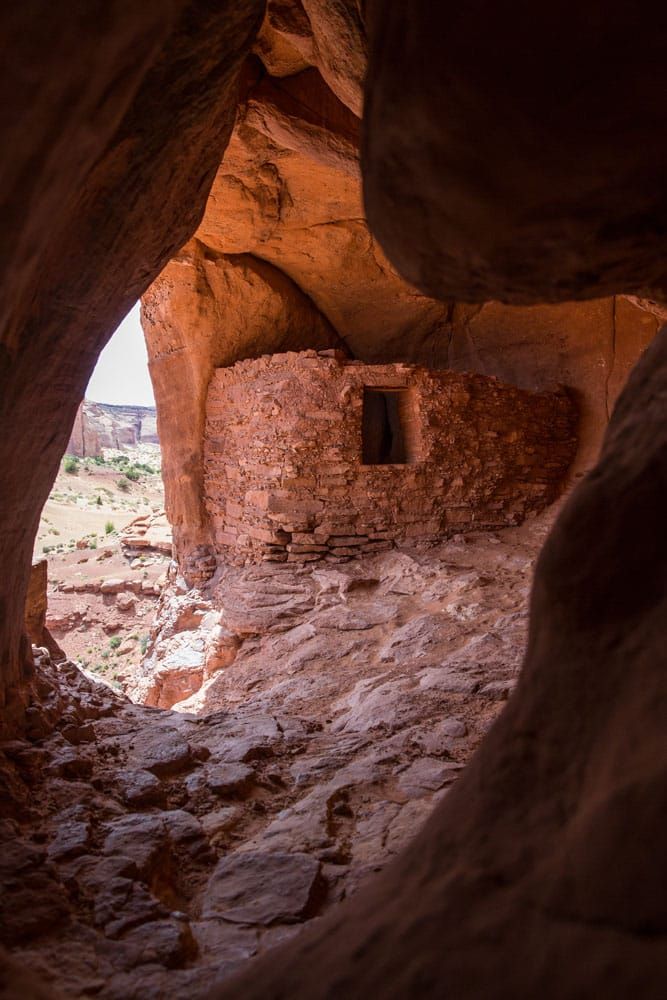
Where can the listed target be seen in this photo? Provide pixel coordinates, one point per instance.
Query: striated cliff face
(284, 260)
(105, 425)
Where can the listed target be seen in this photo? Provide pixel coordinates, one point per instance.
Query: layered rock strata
(103, 425)
(543, 154)
(530, 878)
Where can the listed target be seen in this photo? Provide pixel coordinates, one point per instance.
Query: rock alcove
(206, 156)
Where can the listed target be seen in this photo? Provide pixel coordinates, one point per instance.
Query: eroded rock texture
(284, 260)
(115, 125)
(502, 149)
(541, 873)
(539, 179)
(103, 425)
(150, 853)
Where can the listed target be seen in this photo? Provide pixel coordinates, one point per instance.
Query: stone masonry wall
(284, 479)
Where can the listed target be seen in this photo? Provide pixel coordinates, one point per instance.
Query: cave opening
(103, 531)
(296, 722)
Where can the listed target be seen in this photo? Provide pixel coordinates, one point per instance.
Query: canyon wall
(284, 260)
(105, 425)
(113, 129)
(533, 160)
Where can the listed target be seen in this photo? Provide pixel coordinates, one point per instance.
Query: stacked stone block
(285, 480)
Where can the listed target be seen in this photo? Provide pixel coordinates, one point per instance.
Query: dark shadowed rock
(258, 888)
(506, 163)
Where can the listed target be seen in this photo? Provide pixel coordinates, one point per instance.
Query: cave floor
(147, 852)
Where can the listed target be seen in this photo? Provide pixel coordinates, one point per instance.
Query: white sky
(121, 374)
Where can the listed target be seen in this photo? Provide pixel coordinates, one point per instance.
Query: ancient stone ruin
(429, 770)
(311, 456)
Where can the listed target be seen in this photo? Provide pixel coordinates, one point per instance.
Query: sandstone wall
(115, 129)
(104, 425)
(284, 260)
(286, 478)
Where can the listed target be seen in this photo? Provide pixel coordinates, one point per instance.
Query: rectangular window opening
(387, 427)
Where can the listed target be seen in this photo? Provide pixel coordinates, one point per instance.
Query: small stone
(498, 690)
(453, 727)
(140, 788)
(113, 585)
(71, 840)
(221, 820)
(165, 942)
(141, 837)
(426, 775)
(121, 904)
(261, 888)
(76, 734)
(68, 764)
(162, 751)
(229, 779)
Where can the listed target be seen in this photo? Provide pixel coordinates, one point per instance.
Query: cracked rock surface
(150, 852)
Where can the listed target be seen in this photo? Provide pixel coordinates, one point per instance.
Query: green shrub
(115, 641)
(143, 644)
(123, 485)
(71, 464)
(99, 500)
(92, 544)
(133, 474)
(109, 527)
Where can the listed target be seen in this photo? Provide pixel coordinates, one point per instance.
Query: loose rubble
(321, 714)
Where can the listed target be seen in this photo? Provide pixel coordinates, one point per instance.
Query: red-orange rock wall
(285, 479)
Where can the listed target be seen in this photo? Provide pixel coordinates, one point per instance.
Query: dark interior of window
(383, 434)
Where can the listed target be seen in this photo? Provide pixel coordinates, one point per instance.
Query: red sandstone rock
(117, 126)
(502, 167)
(291, 441)
(151, 532)
(286, 212)
(36, 610)
(533, 859)
(540, 856)
(256, 888)
(102, 425)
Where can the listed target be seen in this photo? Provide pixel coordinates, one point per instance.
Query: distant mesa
(104, 425)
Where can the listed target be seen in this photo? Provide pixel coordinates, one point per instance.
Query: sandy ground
(84, 502)
(105, 633)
